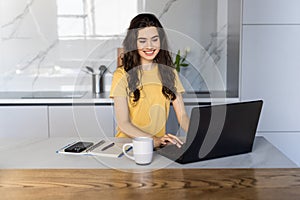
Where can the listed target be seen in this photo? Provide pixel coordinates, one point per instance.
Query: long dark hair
(131, 58)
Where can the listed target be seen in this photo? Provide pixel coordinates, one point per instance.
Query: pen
(95, 146)
(122, 154)
(108, 146)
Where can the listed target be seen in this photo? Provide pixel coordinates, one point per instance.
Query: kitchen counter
(41, 153)
(84, 97)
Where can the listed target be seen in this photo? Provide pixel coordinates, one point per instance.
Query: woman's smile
(149, 52)
(148, 44)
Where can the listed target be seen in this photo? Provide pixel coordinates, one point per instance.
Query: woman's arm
(180, 111)
(123, 121)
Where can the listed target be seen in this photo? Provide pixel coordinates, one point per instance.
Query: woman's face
(148, 44)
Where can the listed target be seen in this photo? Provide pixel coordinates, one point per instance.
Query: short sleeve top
(151, 111)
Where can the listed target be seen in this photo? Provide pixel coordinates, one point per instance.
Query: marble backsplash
(34, 58)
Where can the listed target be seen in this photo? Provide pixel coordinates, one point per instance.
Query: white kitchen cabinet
(271, 12)
(24, 121)
(81, 121)
(270, 71)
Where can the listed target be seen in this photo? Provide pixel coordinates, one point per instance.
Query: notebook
(102, 148)
(217, 131)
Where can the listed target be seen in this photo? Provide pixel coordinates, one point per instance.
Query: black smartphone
(79, 147)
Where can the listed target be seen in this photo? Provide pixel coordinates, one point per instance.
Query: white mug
(142, 150)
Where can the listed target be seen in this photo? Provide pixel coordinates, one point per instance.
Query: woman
(146, 83)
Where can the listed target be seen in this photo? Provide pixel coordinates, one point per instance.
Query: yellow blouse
(151, 111)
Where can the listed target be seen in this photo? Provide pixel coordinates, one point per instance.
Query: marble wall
(34, 58)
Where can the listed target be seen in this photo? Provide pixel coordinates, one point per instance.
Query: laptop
(217, 131)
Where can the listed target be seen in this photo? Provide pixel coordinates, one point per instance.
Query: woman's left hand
(169, 138)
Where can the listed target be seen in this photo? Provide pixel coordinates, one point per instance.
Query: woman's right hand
(157, 142)
(168, 138)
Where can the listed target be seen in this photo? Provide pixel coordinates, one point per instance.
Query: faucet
(102, 70)
(97, 78)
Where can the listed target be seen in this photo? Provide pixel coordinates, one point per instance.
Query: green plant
(180, 61)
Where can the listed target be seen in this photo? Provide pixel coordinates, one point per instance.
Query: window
(94, 18)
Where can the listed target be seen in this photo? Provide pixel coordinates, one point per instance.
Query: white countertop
(46, 98)
(41, 153)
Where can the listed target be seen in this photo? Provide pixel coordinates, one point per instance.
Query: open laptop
(217, 131)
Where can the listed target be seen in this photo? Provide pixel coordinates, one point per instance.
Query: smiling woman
(145, 84)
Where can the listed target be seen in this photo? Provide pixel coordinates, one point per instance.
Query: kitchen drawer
(24, 121)
(271, 12)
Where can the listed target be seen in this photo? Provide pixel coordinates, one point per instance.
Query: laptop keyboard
(171, 151)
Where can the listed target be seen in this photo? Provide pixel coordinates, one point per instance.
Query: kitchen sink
(54, 95)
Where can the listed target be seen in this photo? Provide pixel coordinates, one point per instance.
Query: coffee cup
(142, 150)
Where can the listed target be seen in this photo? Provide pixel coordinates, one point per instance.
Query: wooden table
(161, 184)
